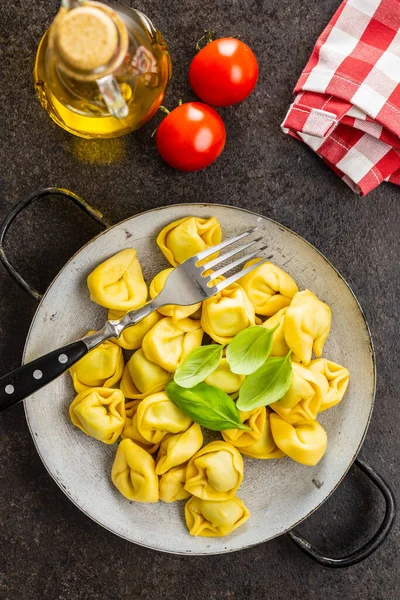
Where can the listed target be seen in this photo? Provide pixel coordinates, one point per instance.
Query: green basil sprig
(206, 405)
(198, 364)
(268, 384)
(249, 350)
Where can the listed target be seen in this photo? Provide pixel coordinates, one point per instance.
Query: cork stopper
(87, 38)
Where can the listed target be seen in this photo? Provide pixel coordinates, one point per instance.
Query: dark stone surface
(49, 550)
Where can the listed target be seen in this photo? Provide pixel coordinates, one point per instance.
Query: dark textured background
(49, 550)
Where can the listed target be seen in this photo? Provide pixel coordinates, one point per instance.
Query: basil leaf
(249, 350)
(268, 384)
(206, 405)
(198, 364)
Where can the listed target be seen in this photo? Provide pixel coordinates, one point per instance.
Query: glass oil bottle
(101, 71)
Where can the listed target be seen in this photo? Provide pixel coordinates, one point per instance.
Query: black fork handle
(31, 377)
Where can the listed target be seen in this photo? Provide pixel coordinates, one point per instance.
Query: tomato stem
(165, 110)
(208, 36)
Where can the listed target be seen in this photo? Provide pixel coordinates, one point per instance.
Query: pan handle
(92, 212)
(373, 544)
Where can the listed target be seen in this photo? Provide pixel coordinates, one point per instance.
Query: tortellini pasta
(305, 410)
(131, 431)
(100, 413)
(101, 367)
(143, 377)
(172, 484)
(224, 379)
(118, 282)
(215, 472)
(157, 416)
(174, 311)
(307, 325)
(303, 386)
(169, 342)
(130, 410)
(332, 379)
(133, 473)
(257, 443)
(214, 519)
(188, 236)
(177, 449)
(132, 337)
(279, 345)
(255, 419)
(227, 313)
(302, 401)
(304, 442)
(268, 288)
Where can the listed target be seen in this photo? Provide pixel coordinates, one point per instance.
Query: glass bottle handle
(112, 96)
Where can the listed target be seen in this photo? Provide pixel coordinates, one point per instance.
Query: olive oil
(96, 82)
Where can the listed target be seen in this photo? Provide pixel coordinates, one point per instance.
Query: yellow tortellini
(174, 311)
(143, 377)
(304, 442)
(305, 410)
(101, 367)
(303, 386)
(214, 519)
(157, 416)
(133, 473)
(279, 345)
(224, 379)
(130, 410)
(307, 325)
(257, 443)
(170, 341)
(188, 236)
(332, 380)
(227, 313)
(132, 337)
(131, 431)
(172, 484)
(118, 282)
(255, 419)
(100, 413)
(177, 449)
(268, 288)
(215, 472)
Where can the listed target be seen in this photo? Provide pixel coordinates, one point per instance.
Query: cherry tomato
(224, 72)
(191, 137)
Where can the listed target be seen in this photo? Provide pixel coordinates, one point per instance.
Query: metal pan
(280, 494)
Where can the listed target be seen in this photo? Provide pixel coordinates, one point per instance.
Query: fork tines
(227, 255)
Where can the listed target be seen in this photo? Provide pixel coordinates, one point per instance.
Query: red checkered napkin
(347, 107)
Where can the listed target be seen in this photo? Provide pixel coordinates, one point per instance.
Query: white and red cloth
(347, 105)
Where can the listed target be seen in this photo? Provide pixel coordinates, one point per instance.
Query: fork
(189, 283)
